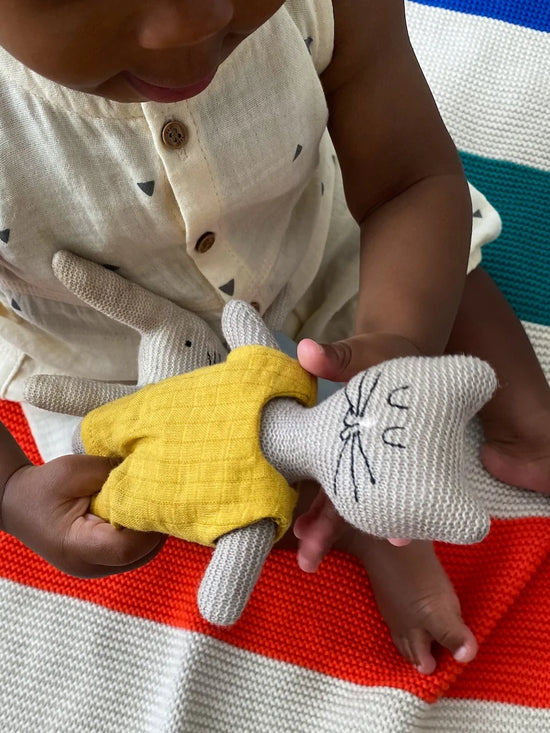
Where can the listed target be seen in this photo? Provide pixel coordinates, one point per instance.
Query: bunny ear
(243, 326)
(71, 395)
(173, 340)
(109, 293)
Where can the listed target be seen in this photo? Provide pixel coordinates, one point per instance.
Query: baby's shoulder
(315, 21)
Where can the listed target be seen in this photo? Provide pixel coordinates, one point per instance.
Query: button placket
(194, 187)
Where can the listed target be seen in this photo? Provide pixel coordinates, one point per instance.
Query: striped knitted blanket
(131, 654)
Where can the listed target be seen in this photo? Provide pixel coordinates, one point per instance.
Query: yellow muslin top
(193, 466)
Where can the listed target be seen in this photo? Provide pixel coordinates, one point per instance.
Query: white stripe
(68, 665)
(491, 81)
(457, 716)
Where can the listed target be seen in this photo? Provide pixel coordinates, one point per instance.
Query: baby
(276, 152)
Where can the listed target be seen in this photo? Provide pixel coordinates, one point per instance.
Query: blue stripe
(530, 13)
(519, 260)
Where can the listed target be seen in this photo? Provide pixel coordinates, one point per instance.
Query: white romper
(233, 193)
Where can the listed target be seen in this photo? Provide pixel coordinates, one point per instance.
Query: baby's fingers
(399, 541)
(98, 549)
(317, 529)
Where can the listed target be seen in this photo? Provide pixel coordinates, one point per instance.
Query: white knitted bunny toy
(387, 448)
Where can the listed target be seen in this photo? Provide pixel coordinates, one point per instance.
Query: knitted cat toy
(210, 452)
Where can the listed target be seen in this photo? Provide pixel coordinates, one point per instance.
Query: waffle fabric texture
(193, 467)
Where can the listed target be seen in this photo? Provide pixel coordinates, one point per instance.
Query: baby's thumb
(338, 362)
(104, 550)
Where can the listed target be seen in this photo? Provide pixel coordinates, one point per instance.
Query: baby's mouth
(154, 93)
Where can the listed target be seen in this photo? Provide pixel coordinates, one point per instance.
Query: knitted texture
(531, 15)
(193, 466)
(227, 583)
(172, 340)
(387, 448)
(241, 325)
(311, 650)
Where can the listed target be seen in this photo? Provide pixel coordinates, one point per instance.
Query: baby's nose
(168, 24)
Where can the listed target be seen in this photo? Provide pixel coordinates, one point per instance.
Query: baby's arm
(46, 507)
(404, 184)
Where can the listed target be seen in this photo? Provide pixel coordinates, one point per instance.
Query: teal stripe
(519, 260)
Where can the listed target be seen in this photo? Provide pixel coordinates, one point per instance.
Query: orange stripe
(13, 418)
(329, 622)
(516, 656)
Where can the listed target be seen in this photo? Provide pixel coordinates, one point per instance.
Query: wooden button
(205, 242)
(174, 134)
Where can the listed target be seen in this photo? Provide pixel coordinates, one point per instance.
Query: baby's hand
(321, 525)
(46, 508)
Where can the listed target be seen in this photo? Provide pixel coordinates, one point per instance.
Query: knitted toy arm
(233, 571)
(242, 326)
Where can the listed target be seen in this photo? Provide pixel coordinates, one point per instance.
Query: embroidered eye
(393, 397)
